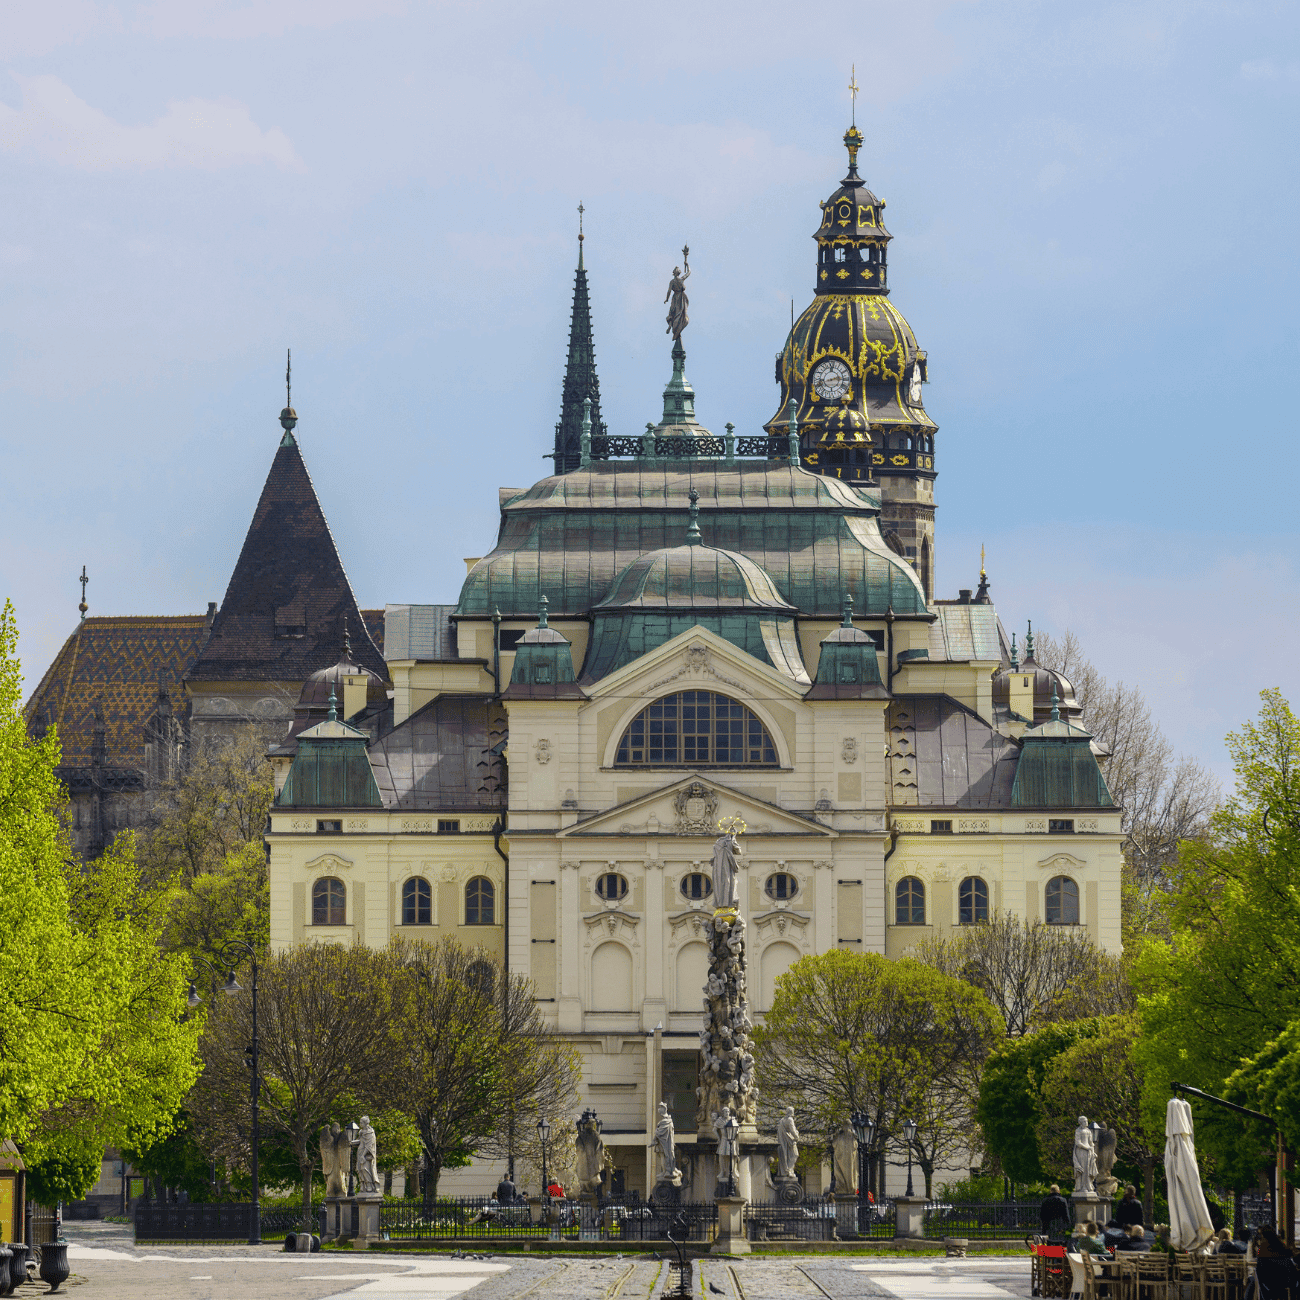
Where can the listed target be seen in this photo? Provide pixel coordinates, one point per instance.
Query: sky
(1093, 209)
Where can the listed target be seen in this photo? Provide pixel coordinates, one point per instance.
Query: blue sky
(1095, 240)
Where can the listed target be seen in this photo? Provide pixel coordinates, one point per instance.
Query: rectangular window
(446, 827)
(1056, 826)
(941, 828)
(329, 828)
(680, 1077)
(508, 639)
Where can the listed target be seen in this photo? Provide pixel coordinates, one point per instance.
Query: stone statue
(844, 1148)
(666, 1141)
(367, 1156)
(1107, 1141)
(591, 1153)
(726, 849)
(787, 1140)
(677, 319)
(335, 1160)
(1085, 1159)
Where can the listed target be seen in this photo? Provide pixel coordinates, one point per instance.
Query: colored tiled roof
(115, 662)
(284, 610)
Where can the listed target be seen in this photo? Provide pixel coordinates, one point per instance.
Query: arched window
(781, 884)
(1062, 901)
(480, 902)
(328, 902)
(696, 729)
(696, 884)
(611, 886)
(417, 902)
(482, 977)
(972, 901)
(909, 902)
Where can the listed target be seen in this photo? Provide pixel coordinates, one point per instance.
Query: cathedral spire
(580, 379)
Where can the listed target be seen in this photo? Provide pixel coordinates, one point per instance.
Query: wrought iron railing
(763, 447)
(471, 1216)
(660, 446)
(220, 1221)
(809, 1221)
(981, 1218)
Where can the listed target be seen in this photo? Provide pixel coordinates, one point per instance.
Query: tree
(323, 1032)
(478, 1067)
(856, 1031)
(1227, 981)
(1098, 1076)
(94, 1048)
(1031, 972)
(1010, 1096)
(229, 903)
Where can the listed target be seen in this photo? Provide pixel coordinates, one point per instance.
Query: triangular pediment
(693, 806)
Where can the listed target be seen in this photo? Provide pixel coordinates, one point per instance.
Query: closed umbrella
(1189, 1216)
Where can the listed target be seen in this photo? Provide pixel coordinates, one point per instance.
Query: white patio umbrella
(1189, 1216)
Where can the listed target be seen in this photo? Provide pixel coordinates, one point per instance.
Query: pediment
(1062, 862)
(328, 862)
(693, 806)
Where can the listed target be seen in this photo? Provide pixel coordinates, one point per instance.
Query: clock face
(831, 379)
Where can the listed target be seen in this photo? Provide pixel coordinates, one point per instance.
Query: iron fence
(478, 1216)
(45, 1224)
(656, 1221)
(221, 1221)
(981, 1218)
(811, 1221)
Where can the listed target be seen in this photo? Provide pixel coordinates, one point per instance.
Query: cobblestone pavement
(106, 1264)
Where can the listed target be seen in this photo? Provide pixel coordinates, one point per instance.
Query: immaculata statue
(726, 849)
(367, 1158)
(677, 318)
(787, 1143)
(1085, 1159)
(666, 1141)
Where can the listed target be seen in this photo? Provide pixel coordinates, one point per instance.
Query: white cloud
(54, 123)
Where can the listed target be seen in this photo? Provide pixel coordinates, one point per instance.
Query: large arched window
(972, 901)
(696, 729)
(328, 902)
(909, 902)
(417, 902)
(1062, 901)
(480, 902)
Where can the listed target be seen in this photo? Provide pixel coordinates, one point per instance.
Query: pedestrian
(1054, 1214)
(506, 1190)
(1129, 1210)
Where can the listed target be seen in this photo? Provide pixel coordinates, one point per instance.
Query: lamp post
(731, 1130)
(228, 955)
(864, 1129)
(544, 1132)
(909, 1136)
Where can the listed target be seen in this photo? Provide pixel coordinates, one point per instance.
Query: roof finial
(333, 714)
(1015, 654)
(853, 94)
(581, 236)
(848, 609)
(347, 640)
(983, 575)
(1029, 642)
(1056, 704)
(693, 537)
(288, 417)
(83, 607)
(982, 595)
(542, 604)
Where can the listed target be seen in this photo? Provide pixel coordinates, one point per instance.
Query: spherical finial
(288, 418)
(693, 537)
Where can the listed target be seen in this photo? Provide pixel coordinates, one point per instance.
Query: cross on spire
(853, 94)
(83, 607)
(288, 376)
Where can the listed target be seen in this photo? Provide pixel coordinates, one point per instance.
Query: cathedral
(675, 628)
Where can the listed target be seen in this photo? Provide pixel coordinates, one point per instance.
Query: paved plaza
(106, 1264)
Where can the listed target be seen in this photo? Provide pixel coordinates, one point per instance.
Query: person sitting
(1276, 1273)
(1054, 1214)
(1134, 1240)
(1088, 1239)
(1224, 1244)
(1128, 1211)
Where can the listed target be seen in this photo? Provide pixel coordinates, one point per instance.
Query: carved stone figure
(367, 1156)
(1107, 1141)
(844, 1147)
(666, 1141)
(591, 1153)
(335, 1160)
(1085, 1159)
(726, 849)
(677, 318)
(787, 1140)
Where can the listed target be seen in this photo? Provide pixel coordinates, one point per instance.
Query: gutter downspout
(498, 828)
(889, 653)
(496, 652)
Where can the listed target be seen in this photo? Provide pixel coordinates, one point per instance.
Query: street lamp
(228, 954)
(544, 1132)
(864, 1129)
(352, 1132)
(909, 1136)
(730, 1130)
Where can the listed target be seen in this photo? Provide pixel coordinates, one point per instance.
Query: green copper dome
(694, 577)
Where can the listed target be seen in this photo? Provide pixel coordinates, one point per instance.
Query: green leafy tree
(95, 1049)
(177, 1160)
(229, 903)
(1227, 981)
(1097, 1076)
(1009, 1107)
(896, 1039)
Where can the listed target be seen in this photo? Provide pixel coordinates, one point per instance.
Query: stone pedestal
(367, 1218)
(338, 1218)
(1088, 1205)
(909, 1216)
(731, 1227)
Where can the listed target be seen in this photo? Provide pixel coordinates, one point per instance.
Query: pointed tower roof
(285, 608)
(580, 380)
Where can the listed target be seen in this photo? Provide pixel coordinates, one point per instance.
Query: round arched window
(909, 902)
(696, 729)
(781, 884)
(417, 902)
(696, 885)
(328, 902)
(1062, 901)
(972, 901)
(611, 886)
(480, 902)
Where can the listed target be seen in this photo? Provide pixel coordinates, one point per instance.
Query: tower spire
(580, 379)
(83, 607)
(288, 417)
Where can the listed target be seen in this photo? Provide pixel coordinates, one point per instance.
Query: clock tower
(852, 367)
